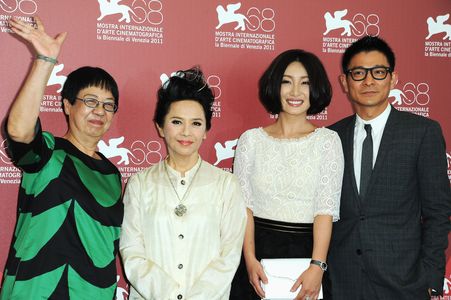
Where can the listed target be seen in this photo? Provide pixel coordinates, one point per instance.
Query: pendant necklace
(180, 210)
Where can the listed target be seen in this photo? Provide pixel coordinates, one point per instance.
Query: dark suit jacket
(397, 236)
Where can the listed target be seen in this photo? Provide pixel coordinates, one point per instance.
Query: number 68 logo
(263, 19)
(150, 12)
(411, 93)
(26, 7)
(3, 155)
(366, 25)
(416, 93)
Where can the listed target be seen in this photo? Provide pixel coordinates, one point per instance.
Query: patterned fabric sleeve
(216, 278)
(331, 177)
(243, 164)
(33, 156)
(147, 278)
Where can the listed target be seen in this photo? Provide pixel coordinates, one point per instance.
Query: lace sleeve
(331, 177)
(243, 165)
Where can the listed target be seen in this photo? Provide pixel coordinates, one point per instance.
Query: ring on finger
(307, 298)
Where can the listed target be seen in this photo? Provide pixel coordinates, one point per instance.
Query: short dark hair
(86, 77)
(271, 80)
(366, 44)
(184, 85)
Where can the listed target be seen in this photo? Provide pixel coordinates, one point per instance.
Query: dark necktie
(367, 161)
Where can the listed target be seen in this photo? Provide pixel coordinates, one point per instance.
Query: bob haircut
(367, 44)
(271, 80)
(86, 77)
(184, 85)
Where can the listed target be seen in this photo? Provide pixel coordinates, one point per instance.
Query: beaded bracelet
(47, 59)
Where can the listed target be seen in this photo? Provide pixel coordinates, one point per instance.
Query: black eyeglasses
(94, 103)
(360, 73)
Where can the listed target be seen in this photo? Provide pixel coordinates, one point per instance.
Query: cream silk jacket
(194, 256)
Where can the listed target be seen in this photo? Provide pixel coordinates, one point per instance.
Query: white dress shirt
(194, 256)
(377, 130)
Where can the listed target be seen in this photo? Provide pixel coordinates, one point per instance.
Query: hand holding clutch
(282, 274)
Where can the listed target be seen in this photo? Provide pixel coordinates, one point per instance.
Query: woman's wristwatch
(319, 263)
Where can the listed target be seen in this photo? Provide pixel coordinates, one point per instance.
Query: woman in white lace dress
(291, 174)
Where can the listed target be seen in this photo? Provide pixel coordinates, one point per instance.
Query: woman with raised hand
(291, 174)
(69, 209)
(184, 218)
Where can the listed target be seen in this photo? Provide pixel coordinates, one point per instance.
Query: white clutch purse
(282, 273)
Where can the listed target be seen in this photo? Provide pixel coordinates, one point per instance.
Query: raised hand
(25, 109)
(37, 37)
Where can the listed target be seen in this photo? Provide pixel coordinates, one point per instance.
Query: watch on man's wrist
(319, 263)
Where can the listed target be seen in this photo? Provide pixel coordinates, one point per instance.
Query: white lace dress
(290, 180)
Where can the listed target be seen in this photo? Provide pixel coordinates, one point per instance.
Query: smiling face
(369, 94)
(86, 122)
(184, 129)
(295, 90)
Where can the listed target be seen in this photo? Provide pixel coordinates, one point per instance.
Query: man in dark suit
(392, 235)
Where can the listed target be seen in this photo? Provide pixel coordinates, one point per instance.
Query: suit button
(180, 266)
(362, 217)
(358, 251)
(179, 296)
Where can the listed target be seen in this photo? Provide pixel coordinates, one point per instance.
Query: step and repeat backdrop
(142, 42)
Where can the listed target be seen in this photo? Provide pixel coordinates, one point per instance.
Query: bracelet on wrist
(47, 59)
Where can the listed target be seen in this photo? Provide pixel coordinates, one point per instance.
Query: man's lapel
(349, 154)
(385, 146)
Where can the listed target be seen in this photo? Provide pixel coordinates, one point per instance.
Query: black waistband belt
(302, 228)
